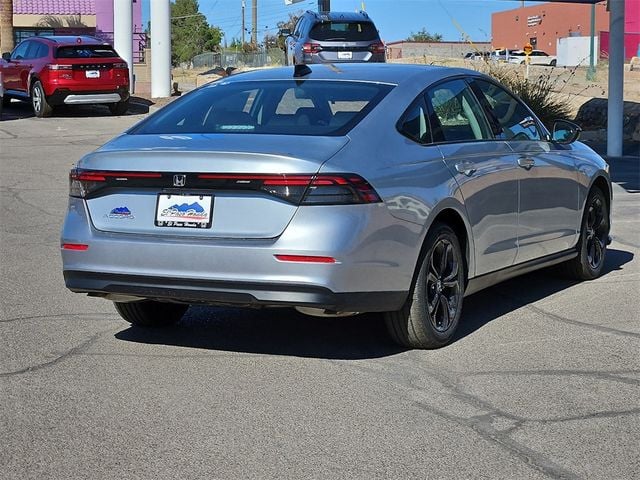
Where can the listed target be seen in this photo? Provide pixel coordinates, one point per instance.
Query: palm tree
(6, 25)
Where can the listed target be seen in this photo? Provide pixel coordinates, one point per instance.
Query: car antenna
(301, 71)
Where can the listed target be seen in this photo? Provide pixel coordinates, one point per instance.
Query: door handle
(466, 168)
(526, 162)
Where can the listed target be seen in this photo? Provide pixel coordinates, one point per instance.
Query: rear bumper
(231, 293)
(72, 97)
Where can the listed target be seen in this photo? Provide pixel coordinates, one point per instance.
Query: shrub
(540, 93)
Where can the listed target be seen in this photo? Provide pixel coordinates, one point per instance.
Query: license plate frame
(92, 73)
(178, 210)
(345, 55)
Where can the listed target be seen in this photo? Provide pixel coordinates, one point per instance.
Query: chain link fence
(271, 57)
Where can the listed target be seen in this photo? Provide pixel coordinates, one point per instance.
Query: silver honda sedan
(336, 190)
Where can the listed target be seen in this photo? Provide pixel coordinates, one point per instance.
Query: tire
(553, 63)
(439, 283)
(41, 107)
(592, 246)
(119, 108)
(150, 313)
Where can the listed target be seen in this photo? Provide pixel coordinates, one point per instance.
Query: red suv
(50, 71)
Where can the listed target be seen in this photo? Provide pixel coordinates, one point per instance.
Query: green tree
(289, 24)
(191, 34)
(424, 36)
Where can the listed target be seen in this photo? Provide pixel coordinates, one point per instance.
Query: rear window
(278, 107)
(344, 31)
(86, 51)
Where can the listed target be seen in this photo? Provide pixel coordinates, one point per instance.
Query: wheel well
(453, 219)
(603, 185)
(32, 79)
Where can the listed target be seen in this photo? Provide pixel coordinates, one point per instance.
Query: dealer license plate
(345, 55)
(186, 211)
(92, 73)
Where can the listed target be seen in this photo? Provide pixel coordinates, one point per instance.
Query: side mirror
(565, 132)
(284, 32)
(6, 56)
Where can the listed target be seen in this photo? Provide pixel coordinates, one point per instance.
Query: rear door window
(457, 113)
(344, 31)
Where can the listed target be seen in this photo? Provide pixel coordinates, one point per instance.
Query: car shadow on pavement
(287, 332)
(19, 110)
(281, 331)
(483, 307)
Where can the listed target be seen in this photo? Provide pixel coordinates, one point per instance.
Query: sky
(395, 19)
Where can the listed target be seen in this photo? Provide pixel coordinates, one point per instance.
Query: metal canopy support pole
(591, 72)
(160, 48)
(615, 107)
(123, 33)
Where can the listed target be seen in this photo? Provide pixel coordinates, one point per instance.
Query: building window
(20, 34)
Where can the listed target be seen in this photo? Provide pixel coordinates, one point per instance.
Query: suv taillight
(57, 66)
(310, 48)
(377, 47)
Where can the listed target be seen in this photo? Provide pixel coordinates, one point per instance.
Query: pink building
(74, 17)
(542, 24)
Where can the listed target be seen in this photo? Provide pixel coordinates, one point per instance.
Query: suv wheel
(41, 107)
(119, 108)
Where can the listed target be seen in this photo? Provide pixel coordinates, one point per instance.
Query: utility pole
(254, 22)
(243, 26)
(324, 5)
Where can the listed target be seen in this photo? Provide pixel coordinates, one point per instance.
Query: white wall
(574, 51)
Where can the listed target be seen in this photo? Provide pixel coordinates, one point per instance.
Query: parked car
(359, 188)
(500, 55)
(477, 55)
(334, 37)
(55, 70)
(537, 57)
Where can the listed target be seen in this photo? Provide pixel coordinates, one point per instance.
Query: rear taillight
(310, 48)
(298, 189)
(328, 189)
(57, 66)
(83, 183)
(377, 47)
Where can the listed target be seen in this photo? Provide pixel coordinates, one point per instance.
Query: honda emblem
(179, 180)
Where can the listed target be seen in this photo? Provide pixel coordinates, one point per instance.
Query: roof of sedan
(395, 74)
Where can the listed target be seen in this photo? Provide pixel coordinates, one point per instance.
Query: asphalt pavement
(543, 380)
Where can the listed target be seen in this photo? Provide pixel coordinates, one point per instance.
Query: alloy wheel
(443, 285)
(596, 232)
(37, 99)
